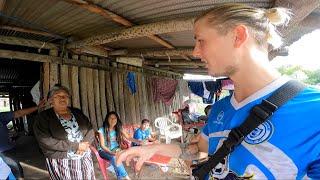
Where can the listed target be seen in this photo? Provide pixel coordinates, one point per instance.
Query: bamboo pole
(75, 84)
(83, 89)
(102, 85)
(97, 95)
(91, 101)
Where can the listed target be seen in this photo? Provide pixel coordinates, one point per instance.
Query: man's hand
(142, 153)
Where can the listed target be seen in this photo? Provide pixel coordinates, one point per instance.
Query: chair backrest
(103, 164)
(161, 123)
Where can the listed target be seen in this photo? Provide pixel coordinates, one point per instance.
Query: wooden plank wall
(97, 92)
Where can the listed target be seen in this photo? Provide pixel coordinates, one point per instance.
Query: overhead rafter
(31, 31)
(8, 54)
(153, 52)
(119, 19)
(300, 9)
(175, 63)
(94, 50)
(137, 31)
(178, 52)
(27, 42)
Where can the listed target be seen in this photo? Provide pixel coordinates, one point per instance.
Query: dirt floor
(33, 163)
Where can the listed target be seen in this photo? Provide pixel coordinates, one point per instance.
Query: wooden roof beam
(93, 50)
(101, 11)
(8, 54)
(175, 63)
(31, 31)
(119, 19)
(283, 51)
(137, 31)
(27, 42)
(153, 52)
(300, 10)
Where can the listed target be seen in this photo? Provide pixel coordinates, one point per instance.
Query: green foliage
(313, 76)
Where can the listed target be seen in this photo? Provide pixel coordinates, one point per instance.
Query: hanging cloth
(131, 82)
(164, 89)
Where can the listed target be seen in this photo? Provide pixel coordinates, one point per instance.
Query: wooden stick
(91, 96)
(97, 95)
(102, 85)
(54, 76)
(75, 84)
(84, 90)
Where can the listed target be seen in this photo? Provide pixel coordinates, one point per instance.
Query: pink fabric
(164, 89)
(227, 84)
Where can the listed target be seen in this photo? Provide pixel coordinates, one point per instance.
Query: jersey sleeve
(205, 132)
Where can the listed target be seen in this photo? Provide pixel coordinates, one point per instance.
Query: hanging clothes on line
(205, 89)
(164, 90)
(227, 84)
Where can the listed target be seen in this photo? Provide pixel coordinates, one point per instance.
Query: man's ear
(240, 35)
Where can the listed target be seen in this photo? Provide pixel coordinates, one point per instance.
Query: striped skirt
(79, 169)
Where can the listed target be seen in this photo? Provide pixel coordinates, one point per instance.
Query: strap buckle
(264, 110)
(234, 139)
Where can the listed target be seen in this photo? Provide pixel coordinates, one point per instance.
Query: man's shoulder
(308, 95)
(138, 130)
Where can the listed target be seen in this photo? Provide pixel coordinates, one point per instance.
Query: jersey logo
(262, 133)
(219, 118)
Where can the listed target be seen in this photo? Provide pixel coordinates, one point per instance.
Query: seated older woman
(64, 135)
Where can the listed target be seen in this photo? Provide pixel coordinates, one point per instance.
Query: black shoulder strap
(258, 115)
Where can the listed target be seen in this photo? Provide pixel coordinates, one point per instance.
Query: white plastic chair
(168, 129)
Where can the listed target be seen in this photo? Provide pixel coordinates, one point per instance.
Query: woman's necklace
(65, 115)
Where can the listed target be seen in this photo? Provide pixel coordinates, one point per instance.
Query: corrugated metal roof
(65, 20)
(146, 11)
(58, 17)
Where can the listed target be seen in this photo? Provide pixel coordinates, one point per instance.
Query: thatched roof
(155, 30)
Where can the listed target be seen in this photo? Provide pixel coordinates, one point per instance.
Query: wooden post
(96, 90)
(150, 96)
(109, 86)
(92, 112)
(144, 103)
(83, 89)
(54, 76)
(46, 79)
(115, 88)
(102, 85)
(136, 98)
(75, 84)
(120, 95)
(64, 75)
